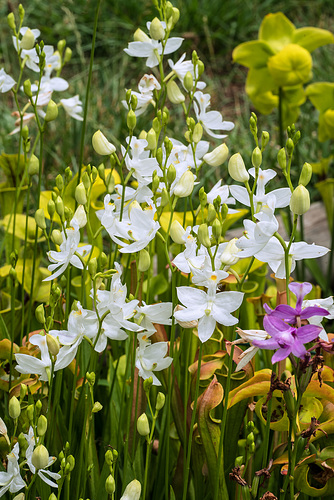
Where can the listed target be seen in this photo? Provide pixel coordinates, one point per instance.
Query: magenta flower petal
(281, 354)
(266, 344)
(307, 333)
(300, 290)
(308, 312)
(298, 349)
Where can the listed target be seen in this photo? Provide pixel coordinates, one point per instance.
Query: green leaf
(321, 167)
(321, 95)
(12, 169)
(252, 54)
(325, 481)
(312, 38)
(277, 30)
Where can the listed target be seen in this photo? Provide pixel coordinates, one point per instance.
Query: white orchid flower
(73, 106)
(154, 313)
(211, 120)
(223, 192)
(326, 303)
(151, 358)
(42, 473)
(248, 336)
(6, 81)
(12, 480)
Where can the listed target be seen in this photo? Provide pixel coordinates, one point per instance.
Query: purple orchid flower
(296, 314)
(286, 338)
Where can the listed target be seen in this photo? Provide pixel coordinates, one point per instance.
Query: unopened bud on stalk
(155, 182)
(188, 81)
(265, 139)
(185, 185)
(217, 230)
(59, 183)
(237, 169)
(20, 496)
(132, 491)
(39, 314)
(110, 183)
(306, 174)
(11, 21)
(40, 457)
(151, 138)
(110, 485)
(33, 167)
(92, 266)
(171, 174)
(200, 67)
(85, 177)
(281, 158)
(203, 235)
(168, 146)
(30, 413)
(159, 156)
(203, 198)
(217, 156)
(229, 257)
(42, 425)
(28, 40)
(67, 55)
(144, 261)
(296, 137)
(27, 88)
(80, 194)
(51, 111)
(256, 157)
(197, 133)
(142, 135)
(38, 407)
(59, 207)
(290, 146)
(40, 218)
(164, 198)
(51, 208)
(52, 497)
(147, 384)
(143, 427)
(97, 407)
(61, 45)
(91, 378)
(56, 237)
(177, 232)
(131, 120)
(157, 31)
(101, 144)
(23, 391)
(14, 408)
(300, 200)
(134, 102)
(53, 344)
(102, 171)
(156, 125)
(160, 402)
(174, 93)
(211, 213)
(70, 462)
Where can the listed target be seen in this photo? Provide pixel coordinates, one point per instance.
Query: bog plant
(126, 301)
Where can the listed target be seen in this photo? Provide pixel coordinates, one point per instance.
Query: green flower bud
(185, 185)
(38, 407)
(67, 55)
(251, 449)
(300, 200)
(110, 183)
(40, 457)
(188, 81)
(187, 136)
(157, 31)
(250, 438)
(229, 257)
(250, 426)
(237, 169)
(197, 133)
(110, 485)
(23, 391)
(102, 171)
(156, 125)
(290, 146)
(169, 9)
(61, 45)
(191, 123)
(147, 384)
(109, 458)
(159, 156)
(176, 15)
(132, 491)
(160, 402)
(28, 40)
(155, 182)
(176, 232)
(164, 198)
(239, 461)
(200, 67)
(101, 144)
(281, 158)
(168, 146)
(51, 111)
(71, 462)
(134, 102)
(296, 137)
(39, 313)
(211, 213)
(13, 274)
(33, 166)
(256, 157)
(42, 425)
(144, 261)
(143, 426)
(86, 179)
(217, 230)
(151, 138)
(40, 218)
(14, 408)
(203, 235)
(30, 413)
(59, 183)
(52, 497)
(306, 174)
(97, 407)
(92, 266)
(217, 156)
(131, 120)
(53, 344)
(203, 199)
(171, 174)
(80, 194)
(27, 88)
(11, 21)
(56, 237)
(265, 139)
(21, 12)
(68, 174)
(174, 93)
(51, 207)
(59, 207)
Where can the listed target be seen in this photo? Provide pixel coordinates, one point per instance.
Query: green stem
(280, 116)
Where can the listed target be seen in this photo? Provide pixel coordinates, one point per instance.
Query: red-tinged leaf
(314, 389)
(210, 363)
(248, 369)
(209, 432)
(255, 386)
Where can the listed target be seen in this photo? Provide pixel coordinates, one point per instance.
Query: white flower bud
(237, 169)
(300, 200)
(230, 254)
(40, 457)
(185, 324)
(185, 185)
(132, 491)
(174, 93)
(101, 145)
(80, 194)
(177, 232)
(28, 40)
(157, 31)
(14, 408)
(143, 426)
(217, 156)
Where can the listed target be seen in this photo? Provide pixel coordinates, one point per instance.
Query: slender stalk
(280, 116)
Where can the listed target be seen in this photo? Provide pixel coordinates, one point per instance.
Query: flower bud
(20, 496)
(40, 218)
(176, 15)
(38, 407)
(102, 171)
(42, 425)
(108, 457)
(14, 408)
(59, 207)
(110, 485)
(265, 139)
(70, 461)
(60, 183)
(203, 235)
(86, 179)
(290, 146)
(52, 497)
(159, 156)
(281, 158)
(80, 194)
(164, 198)
(143, 427)
(185, 185)
(97, 407)
(157, 31)
(203, 198)
(188, 81)
(11, 21)
(23, 391)
(53, 344)
(171, 174)
(67, 55)
(217, 156)
(101, 145)
(237, 169)
(134, 101)
(30, 413)
(151, 138)
(300, 200)
(177, 232)
(174, 93)
(147, 384)
(33, 166)
(51, 111)
(217, 230)
(306, 174)
(56, 237)
(91, 377)
(156, 125)
(250, 438)
(197, 133)
(131, 120)
(40, 457)
(110, 183)
(144, 261)
(92, 266)
(28, 40)
(39, 313)
(132, 491)
(230, 254)
(51, 207)
(200, 67)
(211, 213)
(256, 157)
(27, 88)
(160, 402)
